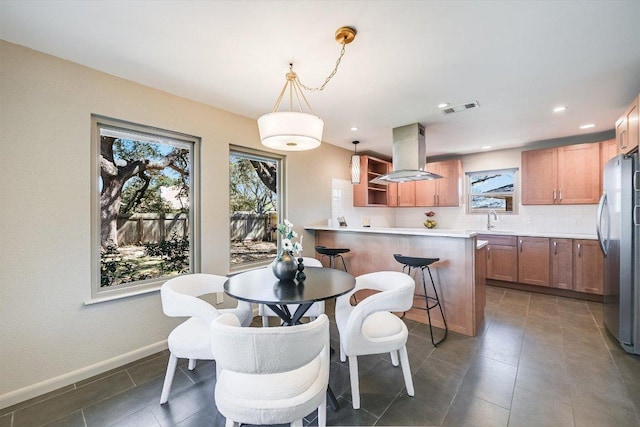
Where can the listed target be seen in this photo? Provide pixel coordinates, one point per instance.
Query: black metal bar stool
(422, 263)
(333, 253)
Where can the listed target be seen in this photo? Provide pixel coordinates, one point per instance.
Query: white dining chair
(191, 339)
(370, 328)
(271, 375)
(316, 309)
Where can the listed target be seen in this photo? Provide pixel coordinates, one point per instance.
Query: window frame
(514, 193)
(260, 155)
(98, 122)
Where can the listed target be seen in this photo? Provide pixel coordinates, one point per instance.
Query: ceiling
(517, 59)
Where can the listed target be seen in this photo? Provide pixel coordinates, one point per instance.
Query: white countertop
(434, 232)
(444, 232)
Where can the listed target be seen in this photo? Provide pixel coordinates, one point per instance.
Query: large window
(492, 190)
(144, 207)
(256, 198)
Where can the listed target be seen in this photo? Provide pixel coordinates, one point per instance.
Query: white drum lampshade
(290, 130)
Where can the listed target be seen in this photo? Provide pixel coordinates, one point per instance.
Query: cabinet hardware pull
(579, 250)
(554, 195)
(636, 208)
(555, 248)
(438, 196)
(488, 253)
(434, 200)
(520, 245)
(560, 197)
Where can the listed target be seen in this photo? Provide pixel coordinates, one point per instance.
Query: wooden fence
(252, 226)
(151, 227)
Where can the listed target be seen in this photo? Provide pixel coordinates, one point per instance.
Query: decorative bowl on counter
(430, 223)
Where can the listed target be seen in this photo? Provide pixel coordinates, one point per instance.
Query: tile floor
(539, 361)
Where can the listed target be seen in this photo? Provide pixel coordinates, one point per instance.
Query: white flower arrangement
(288, 234)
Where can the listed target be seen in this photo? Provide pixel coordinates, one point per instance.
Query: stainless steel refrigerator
(618, 227)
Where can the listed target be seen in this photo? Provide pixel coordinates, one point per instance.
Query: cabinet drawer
(495, 239)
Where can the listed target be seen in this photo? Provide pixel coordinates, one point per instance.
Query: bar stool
(333, 253)
(422, 263)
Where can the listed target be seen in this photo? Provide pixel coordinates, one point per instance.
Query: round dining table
(261, 286)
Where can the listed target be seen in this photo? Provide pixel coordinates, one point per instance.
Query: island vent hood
(409, 156)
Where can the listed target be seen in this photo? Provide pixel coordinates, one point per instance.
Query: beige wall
(48, 337)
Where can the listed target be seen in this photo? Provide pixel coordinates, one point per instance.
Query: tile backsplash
(573, 219)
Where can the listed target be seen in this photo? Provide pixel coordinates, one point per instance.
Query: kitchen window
(144, 207)
(256, 201)
(492, 190)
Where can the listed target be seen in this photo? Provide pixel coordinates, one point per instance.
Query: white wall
(48, 337)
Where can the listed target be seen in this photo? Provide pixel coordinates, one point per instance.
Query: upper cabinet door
(561, 175)
(579, 174)
(406, 194)
(449, 186)
(539, 176)
(628, 128)
(440, 192)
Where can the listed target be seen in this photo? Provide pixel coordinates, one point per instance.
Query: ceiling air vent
(460, 107)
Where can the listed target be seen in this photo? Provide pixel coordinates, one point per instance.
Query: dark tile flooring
(539, 361)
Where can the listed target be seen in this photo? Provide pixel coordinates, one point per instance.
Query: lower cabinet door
(588, 267)
(533, 260)
(561, 251)
(502, 263)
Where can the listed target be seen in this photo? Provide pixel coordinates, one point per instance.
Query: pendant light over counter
(298, 130)
(355, 164)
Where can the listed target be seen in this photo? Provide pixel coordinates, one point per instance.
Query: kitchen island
(460, 289)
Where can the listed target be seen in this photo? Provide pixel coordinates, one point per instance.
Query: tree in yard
(253, 185)
(130, 170)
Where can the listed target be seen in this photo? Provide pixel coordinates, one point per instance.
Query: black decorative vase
(300, 276)
(285, 266)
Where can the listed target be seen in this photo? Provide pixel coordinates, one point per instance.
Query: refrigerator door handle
(601, 240)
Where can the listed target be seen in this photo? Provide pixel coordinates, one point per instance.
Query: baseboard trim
(35, 390)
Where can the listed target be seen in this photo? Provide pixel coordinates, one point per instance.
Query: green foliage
(247, 192)
(167, 257)
(174, 254)
(114, 270)
(141, 193)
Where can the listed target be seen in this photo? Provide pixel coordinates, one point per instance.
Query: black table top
(261, 286)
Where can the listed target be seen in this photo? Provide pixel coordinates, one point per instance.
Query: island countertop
(435, 232)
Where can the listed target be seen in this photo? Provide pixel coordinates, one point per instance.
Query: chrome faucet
(495, 218)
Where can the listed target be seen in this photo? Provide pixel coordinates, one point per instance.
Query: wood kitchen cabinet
(533, 260)
(368, 194)
(407, 193)
(502, 257)
(561, 175)
(628, 128)
(608, 150)
(588, 267)
(561, 252)
(440, 192)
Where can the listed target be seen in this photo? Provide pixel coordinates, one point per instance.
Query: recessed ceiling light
(560, 109)
(354, 128)
(443, 105)
(486, 147)
(588, 126)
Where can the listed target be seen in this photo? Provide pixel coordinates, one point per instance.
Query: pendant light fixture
(355, 164)
(297, 130)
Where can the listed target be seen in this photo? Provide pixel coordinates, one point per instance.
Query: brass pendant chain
(333, 73)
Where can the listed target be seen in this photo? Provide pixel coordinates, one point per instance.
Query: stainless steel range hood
(409, 156)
